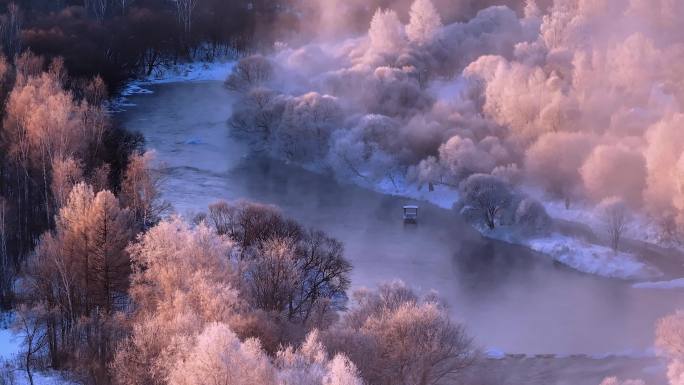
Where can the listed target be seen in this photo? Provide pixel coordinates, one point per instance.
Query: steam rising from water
(582, 98)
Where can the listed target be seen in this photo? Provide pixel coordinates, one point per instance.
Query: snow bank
(495, 354)
(195, 71)
(184, 72)
(591, 258)
(575, 253)
(442, 196)
(498, 354)
(673, 284)
(640, 227)
(580, 255)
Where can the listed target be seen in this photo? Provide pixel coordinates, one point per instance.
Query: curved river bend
(510, 298)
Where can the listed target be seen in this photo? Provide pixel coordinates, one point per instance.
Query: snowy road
(510, 298)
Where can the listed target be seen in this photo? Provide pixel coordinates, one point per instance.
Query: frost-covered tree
(531, 217)
(395, 337)
(296, 274)
(663, 160)
(87, 253)
(554, 160)
(461, 157)
(309, 364)
(171, 251)
(42, 122)
(183, 280)
(424, 22)
(110, 231)
(603, 174)
(386, 32)
(485, 197)
(218, 357)
(141, 190)
(248, 73)
(80, 274)
(65, 175)
(302, 279)
(306, 124)
(670, 340)
(616, 216)
(257, 116)
(362, 152)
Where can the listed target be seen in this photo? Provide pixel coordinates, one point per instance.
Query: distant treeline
(119, 39)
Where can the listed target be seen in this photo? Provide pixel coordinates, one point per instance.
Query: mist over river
(510, 298)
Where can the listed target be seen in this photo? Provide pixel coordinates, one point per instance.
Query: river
(508, 297)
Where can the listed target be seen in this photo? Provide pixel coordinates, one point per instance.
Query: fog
(562, 97)
(508, 297)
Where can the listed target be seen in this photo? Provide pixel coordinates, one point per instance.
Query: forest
(509, 106)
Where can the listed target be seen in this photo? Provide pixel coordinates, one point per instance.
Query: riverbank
(506, 294)
(584, 255)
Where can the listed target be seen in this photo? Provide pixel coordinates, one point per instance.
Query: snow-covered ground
(639, 228)
(672, 284)
(10, 352)
(591, 258)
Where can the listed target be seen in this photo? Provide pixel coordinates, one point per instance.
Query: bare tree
(124, 4)
(6, 270)
(30, 324)
(10, 30)
(486, 196)
(248, 73)
(531, 218)
(297, 274)
(184, 11)
(223, 217)
(616, 217)
(257, 115)
(98, 8)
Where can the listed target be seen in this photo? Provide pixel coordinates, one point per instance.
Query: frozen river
(510, 298)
